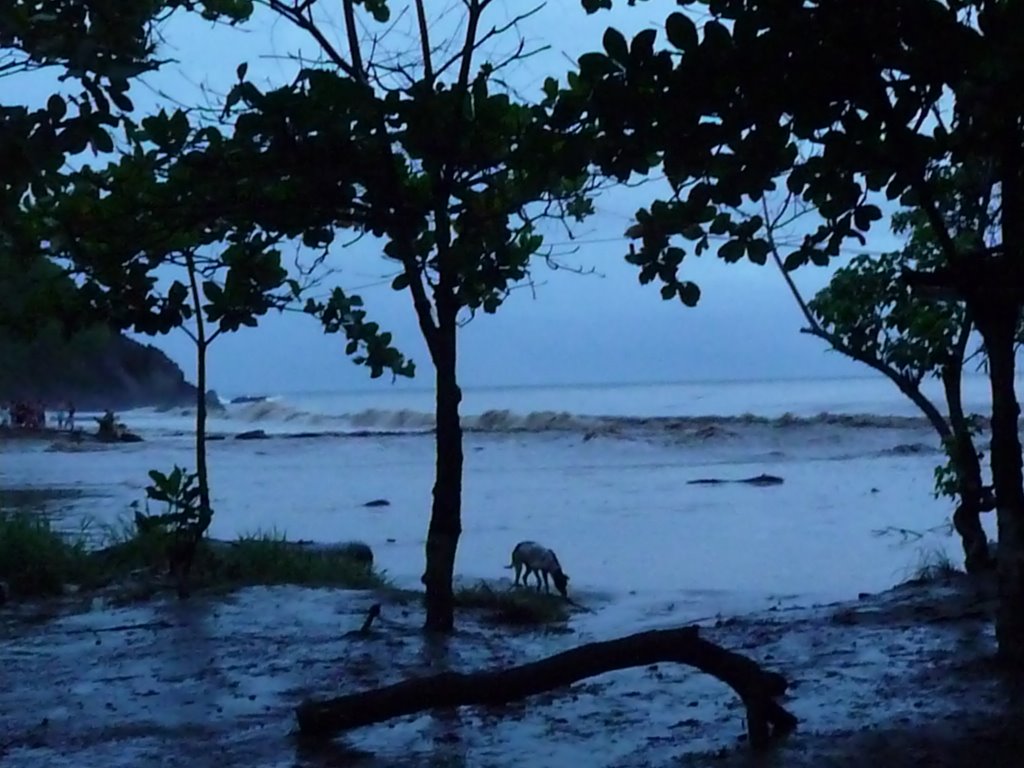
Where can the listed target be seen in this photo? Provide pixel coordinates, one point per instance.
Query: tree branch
(428, 67)
(189, 333)
(906, 386)
(812, 321)
(475, 9)
(920, 185)
(306, 23)
(767, 720)
(421, 303)
(353, 41)
(494, 32)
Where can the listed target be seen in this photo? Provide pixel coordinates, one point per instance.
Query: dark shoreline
(903, 677)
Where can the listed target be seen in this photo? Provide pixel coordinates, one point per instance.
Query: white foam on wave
(704, 411)
(283, 418)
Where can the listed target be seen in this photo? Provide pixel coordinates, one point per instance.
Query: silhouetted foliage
(842, 104)
(869, 313)
(427, 154)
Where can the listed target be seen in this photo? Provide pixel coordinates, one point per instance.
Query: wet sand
(900, 678)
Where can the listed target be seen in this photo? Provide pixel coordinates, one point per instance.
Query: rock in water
(378, 503)
(761, 479)
(252, 434)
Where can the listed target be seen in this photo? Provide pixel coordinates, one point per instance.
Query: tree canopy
(428, 153)
(842, 105)
(97, 48)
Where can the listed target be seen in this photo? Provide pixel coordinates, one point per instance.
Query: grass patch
(126, 551)
(516, 607)
(37, 560)
(269, 558)
(934, 565)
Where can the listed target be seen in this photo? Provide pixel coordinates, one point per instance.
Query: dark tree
(155, 249)
(428, 153)
(98, 46)
(869, 314)
(839, 103)
(424, 151)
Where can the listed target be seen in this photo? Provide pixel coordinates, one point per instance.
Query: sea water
(600, 473)
(409, 407)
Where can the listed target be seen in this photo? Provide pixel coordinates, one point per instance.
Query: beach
(610, 491)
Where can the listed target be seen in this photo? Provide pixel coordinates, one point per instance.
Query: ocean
(600, 473)
(389, 407)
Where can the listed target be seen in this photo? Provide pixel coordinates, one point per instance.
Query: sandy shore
(899, 678)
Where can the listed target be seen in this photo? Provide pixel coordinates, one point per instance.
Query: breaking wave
(270, 413)
(331, 414)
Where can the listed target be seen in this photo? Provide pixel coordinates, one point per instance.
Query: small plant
(180, 491)
(37, 560)
(934, 565)
(134, 544)
(269, 558)
(186, 515)
(513, 607)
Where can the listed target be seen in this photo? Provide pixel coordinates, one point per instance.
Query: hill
(95, 369)
(54, 348)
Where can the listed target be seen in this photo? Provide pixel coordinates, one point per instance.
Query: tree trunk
(766, 719)
(446, 513)
(189, 537)
(201, 468)
(967, 517)
(998, 331)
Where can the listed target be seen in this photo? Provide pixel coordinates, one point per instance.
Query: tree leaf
(681, 31)
(615, 45)
(732, 251)
(56, 107)
(689, 293)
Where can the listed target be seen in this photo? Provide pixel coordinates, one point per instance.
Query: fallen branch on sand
(364, 630)
(767, 721)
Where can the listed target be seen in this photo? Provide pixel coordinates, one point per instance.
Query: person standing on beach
(70, 421)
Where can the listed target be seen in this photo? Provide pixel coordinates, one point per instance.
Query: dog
(541, 562)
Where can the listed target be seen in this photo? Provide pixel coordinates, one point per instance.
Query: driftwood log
(767, 720)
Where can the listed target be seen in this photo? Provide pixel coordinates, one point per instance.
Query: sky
(600, 326)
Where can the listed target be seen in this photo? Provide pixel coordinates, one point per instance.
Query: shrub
(269, 558)
(520, 607)
(37, 560)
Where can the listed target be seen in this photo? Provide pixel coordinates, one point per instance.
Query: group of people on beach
(26, 415)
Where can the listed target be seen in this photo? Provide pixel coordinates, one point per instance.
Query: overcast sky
(571, 328)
